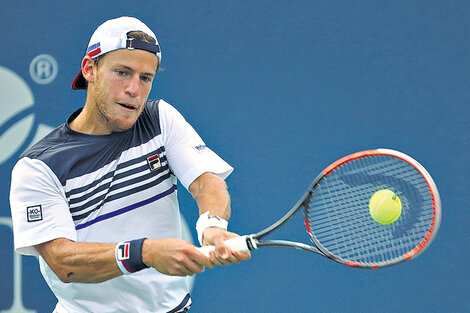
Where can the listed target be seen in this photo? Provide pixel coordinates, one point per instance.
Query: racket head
(337, 211)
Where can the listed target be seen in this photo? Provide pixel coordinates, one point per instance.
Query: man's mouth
(127, 106)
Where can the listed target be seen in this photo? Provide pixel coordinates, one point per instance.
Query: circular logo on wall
(43, 69)
(17, 118)
(18, 128)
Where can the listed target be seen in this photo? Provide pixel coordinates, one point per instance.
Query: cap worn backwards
(112, 35)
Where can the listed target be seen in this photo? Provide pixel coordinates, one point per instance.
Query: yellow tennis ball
(385, 206)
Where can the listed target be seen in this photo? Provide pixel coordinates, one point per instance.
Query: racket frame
(254, 241)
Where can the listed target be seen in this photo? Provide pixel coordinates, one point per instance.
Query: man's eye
(121, 73)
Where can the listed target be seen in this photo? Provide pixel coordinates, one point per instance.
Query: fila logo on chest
(154, 162)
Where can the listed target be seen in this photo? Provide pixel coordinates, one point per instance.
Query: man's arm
(211, 195)
(84, 262)
(80, 262)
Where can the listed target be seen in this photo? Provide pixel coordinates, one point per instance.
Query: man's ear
(88, 69)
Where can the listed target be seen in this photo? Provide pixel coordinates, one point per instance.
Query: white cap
(112, 35)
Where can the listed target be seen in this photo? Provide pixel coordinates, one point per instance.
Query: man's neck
(86, 122)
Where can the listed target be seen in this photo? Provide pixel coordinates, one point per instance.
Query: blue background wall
(280, 89)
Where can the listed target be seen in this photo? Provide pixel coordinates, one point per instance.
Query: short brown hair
(141, 36)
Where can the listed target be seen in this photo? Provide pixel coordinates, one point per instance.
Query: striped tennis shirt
(111, 188)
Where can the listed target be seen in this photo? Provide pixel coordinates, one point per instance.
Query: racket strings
(339, 215)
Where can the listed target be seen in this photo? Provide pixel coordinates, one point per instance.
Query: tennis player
(96, 199)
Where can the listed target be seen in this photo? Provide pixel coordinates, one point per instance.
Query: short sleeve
(39, 207)
(187, 154)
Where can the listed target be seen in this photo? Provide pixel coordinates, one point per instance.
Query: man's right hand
(174, 257)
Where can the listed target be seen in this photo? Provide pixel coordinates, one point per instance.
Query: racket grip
(236, 244)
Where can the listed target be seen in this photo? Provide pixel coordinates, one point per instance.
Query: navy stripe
(138, 189)
(141, 158)
(127, 208)
(121, 195)
(88, 187)
(92, 192)
(123, 184)
(119, 167)
(181, 305)
(143, 168)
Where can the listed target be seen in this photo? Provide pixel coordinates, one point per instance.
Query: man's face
(118, 95)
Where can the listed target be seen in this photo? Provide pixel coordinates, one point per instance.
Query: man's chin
(123, 126)
(125, 122)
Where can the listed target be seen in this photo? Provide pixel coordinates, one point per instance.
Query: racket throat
(251, 242)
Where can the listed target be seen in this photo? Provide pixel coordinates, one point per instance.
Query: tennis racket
(337, 216)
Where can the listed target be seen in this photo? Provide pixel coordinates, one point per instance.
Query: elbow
(67, 275)
(64, 273)
(208, 183)
(59, 254)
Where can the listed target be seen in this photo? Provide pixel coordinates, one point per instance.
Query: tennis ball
(385, 206)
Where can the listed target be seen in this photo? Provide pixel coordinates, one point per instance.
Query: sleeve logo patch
(200, 148)
(34, 213)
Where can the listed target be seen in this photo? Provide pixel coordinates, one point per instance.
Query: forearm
(211, 194)
(83, 262)
(80, 262)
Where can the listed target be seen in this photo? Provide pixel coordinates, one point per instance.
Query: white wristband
(206, 221)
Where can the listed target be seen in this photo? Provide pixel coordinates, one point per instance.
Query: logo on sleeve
(34, 213)
(154, 162)
(200, 148)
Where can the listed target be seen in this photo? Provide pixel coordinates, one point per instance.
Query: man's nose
(133, 87)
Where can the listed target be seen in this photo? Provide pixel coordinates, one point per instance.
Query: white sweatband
(206, 221)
